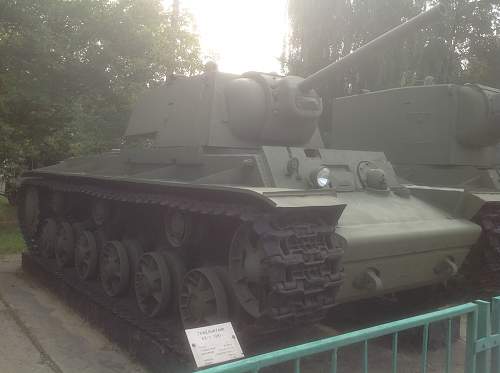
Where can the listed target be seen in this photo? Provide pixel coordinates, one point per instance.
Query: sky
(240, 35)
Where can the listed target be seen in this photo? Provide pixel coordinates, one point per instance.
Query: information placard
(214, 344)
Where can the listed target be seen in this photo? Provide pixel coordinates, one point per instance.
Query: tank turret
(478, 117)
(252, 109)
(442, 124)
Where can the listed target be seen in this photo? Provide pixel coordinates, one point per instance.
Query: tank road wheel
(152, 284)
(114, 268)
(178, 228)
(236, 313)
(100, 212)
(245, 268)
(29, 212)
(65, 245)
(134, 252)
(203, 300)
(177, 271)
(86, 255)
(48, 238)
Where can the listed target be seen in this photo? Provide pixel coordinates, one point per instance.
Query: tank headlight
(321, 178)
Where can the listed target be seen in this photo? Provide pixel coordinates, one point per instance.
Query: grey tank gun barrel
(382, 41)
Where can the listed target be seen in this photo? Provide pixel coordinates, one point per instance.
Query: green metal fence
(482, 342)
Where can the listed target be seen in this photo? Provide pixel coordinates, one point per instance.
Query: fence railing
(482, 342)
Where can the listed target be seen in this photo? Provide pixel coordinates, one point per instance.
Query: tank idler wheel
(177, 270)
(48, 238)
(30, 212)
(178, 228)
(203, 300)
(245, 269)
(87, 255)
(152, 284)
(65, 245)
(100, 212)
(114, 268)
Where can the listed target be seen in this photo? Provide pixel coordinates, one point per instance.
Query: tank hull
(404, 240)
(378, 234)
(441, 136)
(481, 190)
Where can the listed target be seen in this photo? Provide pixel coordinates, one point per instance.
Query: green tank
(442, 135)
(223, 204)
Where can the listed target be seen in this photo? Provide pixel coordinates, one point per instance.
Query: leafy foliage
(465, 47)
(10, 236)
(70, 70)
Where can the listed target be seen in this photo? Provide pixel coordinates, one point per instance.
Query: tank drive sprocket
(48, 238)
(65, 245)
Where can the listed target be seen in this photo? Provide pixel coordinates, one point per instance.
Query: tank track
(490, 222)
(295, 262)
(485, 266)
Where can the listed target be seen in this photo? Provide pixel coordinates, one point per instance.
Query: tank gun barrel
(382, 41)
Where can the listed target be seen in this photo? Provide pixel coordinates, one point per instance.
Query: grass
(11, 241)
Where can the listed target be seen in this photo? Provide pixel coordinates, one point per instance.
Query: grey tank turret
(442, 124)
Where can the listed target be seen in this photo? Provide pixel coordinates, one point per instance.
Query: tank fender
(457, 201)
(266, 197)
(474, 201)
(317, 200)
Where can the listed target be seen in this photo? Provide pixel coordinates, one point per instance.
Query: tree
(464, 47)
(71, 69)
(473, 42)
